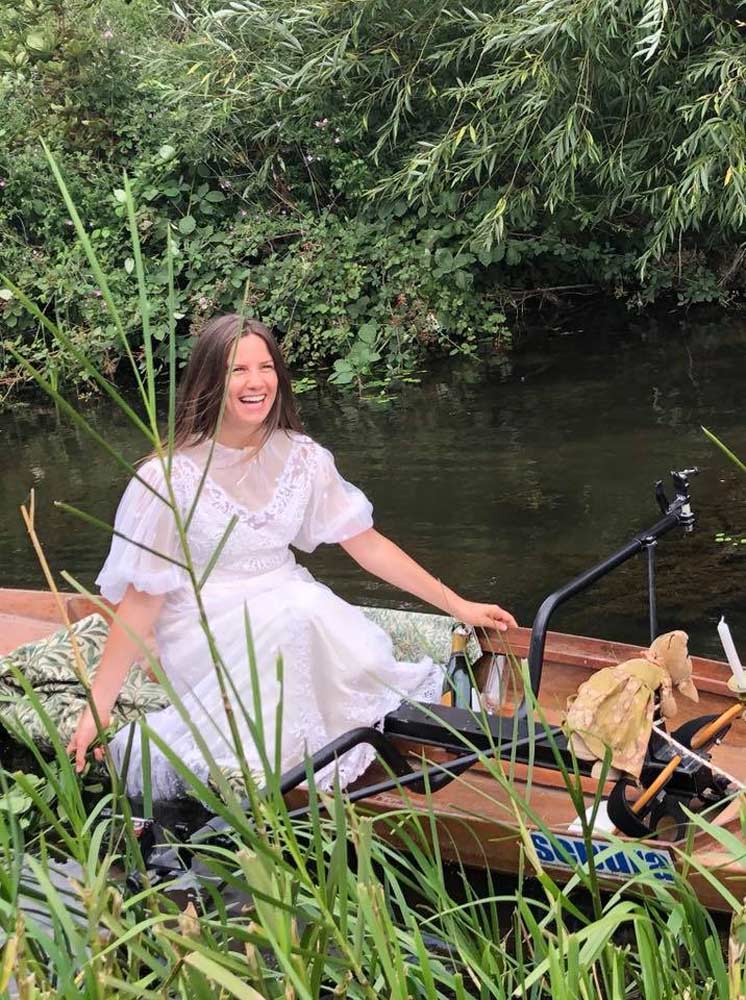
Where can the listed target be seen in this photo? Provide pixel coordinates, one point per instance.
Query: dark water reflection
(504, 479)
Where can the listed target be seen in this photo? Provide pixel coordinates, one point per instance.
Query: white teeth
(252, 399)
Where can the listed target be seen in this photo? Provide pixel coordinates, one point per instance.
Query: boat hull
(506, 816)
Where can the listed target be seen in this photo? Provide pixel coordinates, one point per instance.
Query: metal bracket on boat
(686, 732)
(649, 546)
(676, 513)
(383, 746)
(416, 780)
(665, 811)
(690, 776)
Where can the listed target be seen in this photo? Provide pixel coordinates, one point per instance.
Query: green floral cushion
(417, 634)
(48, 666)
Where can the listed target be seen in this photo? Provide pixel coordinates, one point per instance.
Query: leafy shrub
(380, 181)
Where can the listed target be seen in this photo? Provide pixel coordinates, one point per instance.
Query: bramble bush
(378, 181)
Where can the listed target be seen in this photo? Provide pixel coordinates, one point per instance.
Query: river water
(505, 478)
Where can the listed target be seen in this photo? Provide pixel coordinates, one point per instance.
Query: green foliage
(621, 122)
(20, 796)
(725, 539)
(416, 166)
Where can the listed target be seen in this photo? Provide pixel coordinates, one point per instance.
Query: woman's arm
(136, 616)
(381, 557)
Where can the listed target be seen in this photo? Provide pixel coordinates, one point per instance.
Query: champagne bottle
(457, 682)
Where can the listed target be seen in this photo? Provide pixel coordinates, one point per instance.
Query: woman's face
(252, 389)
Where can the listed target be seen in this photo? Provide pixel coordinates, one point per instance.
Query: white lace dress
(338, 667)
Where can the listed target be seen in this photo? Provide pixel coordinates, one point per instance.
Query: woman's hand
(136, 616)
(85, 734)
(483, 615)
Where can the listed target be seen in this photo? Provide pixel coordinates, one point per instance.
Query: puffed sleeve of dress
(336, 509)
(146, 542)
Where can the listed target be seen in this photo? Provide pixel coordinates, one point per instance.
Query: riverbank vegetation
(378, 180)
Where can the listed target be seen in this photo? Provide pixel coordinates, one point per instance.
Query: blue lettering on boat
(618, 864)
(544, 850)
(566, 852)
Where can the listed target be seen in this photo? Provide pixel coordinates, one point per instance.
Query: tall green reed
(731, 456)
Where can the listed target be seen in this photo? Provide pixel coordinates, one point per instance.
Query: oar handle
(652, 790)
(705, 735)
(698, 740)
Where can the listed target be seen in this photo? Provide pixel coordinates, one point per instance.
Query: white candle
(732, 656)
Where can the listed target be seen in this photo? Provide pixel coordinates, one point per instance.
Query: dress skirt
(300, 667)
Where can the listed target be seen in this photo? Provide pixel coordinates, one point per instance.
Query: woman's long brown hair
(202, 386)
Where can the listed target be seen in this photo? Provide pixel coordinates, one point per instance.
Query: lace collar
(224, 457)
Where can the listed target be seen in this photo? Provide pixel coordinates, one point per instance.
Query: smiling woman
(236, 387)
(204, 541)
(252, 390)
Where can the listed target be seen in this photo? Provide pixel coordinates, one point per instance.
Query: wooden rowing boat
(476, 816)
